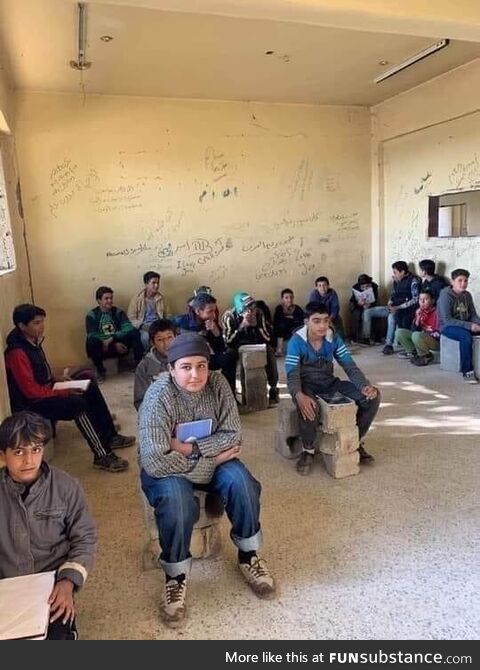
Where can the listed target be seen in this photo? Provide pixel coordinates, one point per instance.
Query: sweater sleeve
(155, 430)
(20, 367)
(344, 358)
(81, 534)
(415, 291)
(124, 323)
(293, 361)
(228, 433)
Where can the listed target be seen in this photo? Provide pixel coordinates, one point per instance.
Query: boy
(459, 319)
(324, 295)
(202, 317)
(430, 281)
(162, 334)
(287, 317)
(147, 306)
(424, 336)
(109, 332)
(359, 305)
(45, 523)
(400, 308)
(30, 386)
(246, 324)
(170, 469)
(309, 368)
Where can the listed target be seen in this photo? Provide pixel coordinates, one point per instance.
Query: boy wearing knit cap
(170, 469)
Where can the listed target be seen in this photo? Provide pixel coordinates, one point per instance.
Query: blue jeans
(379, 312)
(465, 338)
(176, 511)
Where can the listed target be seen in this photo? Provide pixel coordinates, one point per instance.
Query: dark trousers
(89, 411)
(366, 409)
(271, 368)
(62, 631)
(465, 338)
(131, 340)
(227, 363)
(356, 324)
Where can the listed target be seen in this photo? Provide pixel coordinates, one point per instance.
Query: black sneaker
(273, 397)
(122, 441)
(304, 463)
(421, 361)
(365, 457)
(387, 350)
(111, 463)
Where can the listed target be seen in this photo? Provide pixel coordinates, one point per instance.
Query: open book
(367, 296)
(80, 384)
(24, 613)
(194, 430)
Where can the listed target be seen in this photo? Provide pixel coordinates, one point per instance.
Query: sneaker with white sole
(406, 354)
(258, 577)
(173, 608)
(470, 377)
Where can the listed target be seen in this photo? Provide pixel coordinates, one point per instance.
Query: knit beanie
(241, 301)
(188, 344)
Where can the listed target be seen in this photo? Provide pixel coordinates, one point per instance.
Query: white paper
(80, 384)
(24, 608)
(368, 295)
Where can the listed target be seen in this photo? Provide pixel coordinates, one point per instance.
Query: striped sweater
(307, 368)
(165, 405)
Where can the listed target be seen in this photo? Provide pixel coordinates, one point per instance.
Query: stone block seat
(337, 438)
(206, 538)
(253, 359)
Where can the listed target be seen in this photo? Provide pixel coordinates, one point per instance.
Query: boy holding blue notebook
(190, 435)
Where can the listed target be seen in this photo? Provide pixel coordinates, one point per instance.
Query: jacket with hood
(307, 368)
(232, 319)
(456, 309)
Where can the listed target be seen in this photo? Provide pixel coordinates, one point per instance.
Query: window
(454, 214)
(7, 252)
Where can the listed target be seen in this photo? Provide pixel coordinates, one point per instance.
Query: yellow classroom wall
(14, 286)
(426, 141)
(239, 196)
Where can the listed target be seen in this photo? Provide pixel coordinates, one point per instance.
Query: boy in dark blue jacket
(309, 368)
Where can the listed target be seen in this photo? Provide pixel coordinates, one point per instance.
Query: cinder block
(206, 539)
(337, 416)
(449, 354)
(287, 418)
(254, 389)
(253, 355)
(342, 465)
(476, 354)
(287, 446)
(344, 441)
(436, 355)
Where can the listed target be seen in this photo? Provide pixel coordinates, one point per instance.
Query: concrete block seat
(206, 538)
(337, 439)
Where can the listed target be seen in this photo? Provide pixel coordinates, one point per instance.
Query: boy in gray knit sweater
(170, 469)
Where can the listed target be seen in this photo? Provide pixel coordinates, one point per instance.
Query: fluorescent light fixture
(441, 44)
(81, 63)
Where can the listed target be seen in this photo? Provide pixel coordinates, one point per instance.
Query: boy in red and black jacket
(424, 336)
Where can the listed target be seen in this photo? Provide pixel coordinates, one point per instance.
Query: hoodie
(456, 309)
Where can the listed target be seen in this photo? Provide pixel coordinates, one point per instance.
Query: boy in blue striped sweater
(309, 368)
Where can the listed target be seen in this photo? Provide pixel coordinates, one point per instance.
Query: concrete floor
(389, 554)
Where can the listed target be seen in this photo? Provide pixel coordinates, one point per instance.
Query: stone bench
(337, 438)
(206, 538)
(450, 354)
(253, 359)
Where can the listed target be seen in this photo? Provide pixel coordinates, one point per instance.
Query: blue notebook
(194, 430)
